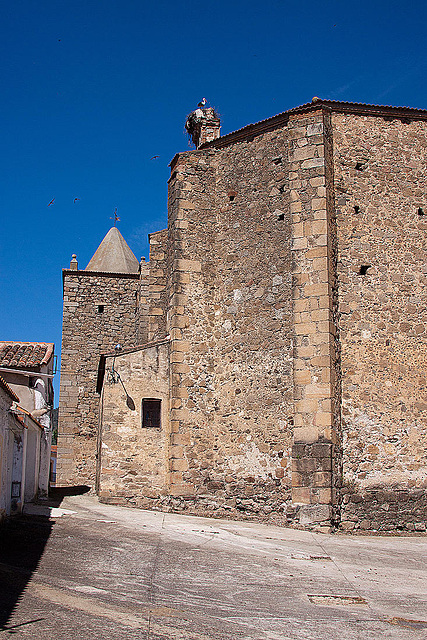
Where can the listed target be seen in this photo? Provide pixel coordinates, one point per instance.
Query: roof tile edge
(358, 108)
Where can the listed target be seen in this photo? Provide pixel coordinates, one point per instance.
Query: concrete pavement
(112, 572)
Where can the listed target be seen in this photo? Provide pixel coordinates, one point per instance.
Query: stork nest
(192, 120)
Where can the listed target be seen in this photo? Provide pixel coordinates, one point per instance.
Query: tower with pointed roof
(113, 255)
(274, 346)
(100, 310)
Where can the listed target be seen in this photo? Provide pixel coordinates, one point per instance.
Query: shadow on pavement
(57, 494)
(23, 539)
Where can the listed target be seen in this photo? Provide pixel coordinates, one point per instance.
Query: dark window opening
(360, 166)
(232, 198)
(277, 160)
(281, 216)
(421, 211)
(16, 490)
(364, 269)
(282, 188)
(356, 208)
(151, 413)
(100, 308)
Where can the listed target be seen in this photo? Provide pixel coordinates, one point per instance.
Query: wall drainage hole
(364, 269)
(277, 160)
(421, 211)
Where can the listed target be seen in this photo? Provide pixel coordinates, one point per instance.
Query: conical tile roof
(113, 255)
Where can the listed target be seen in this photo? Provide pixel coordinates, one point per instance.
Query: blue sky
(91, 90)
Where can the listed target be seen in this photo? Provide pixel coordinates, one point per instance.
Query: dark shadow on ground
(23, 540)
(57, 494)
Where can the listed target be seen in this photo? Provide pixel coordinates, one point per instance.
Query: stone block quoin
(314, 329)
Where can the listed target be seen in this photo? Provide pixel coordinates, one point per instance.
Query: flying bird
(154, 157)
(75, 199)
(51, 202)
(202, 102)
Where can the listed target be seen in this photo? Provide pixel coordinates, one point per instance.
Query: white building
(21, 438)
(27, 369)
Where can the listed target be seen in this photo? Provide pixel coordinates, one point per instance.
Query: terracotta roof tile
(359, 108)
(25, 355)
(10, 393)
(22, 415)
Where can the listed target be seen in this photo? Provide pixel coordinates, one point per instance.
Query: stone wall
(157, 287)
(316, 367)
(230, 325)
(381, 183)
(87, 333)
(290, 289)
(153, 294)
(132, 460)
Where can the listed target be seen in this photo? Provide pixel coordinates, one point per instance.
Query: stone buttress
(279, 329)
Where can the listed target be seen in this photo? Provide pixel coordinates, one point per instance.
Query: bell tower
(100, 309)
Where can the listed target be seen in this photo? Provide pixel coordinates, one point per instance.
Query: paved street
(104, 572)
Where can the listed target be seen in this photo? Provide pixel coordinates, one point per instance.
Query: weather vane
(115, 217)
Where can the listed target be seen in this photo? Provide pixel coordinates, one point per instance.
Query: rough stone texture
(132, 461)
(384, 509)
(295, 383)
(316, 414)
(383, 316)
(230, 323)
(157, 286)
(85, 335)
(203, 125)
(153, 292)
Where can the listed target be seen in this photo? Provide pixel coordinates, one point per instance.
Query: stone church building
(269, 360)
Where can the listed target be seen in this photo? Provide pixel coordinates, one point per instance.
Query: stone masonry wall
(86, 334)
(230, 324)
(286, 316)
(132, 459)
(143, 303)
(157, 288)
(381, 183)
(316, 363)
